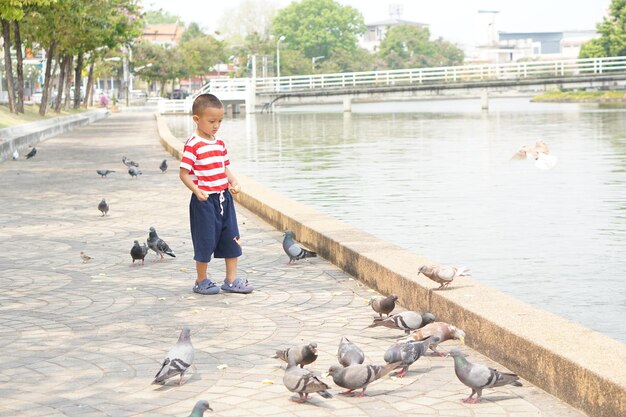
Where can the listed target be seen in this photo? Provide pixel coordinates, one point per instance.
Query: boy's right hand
(201, 195)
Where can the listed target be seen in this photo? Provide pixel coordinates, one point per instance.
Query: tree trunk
(47, 84)
(68, 82)
(60, 85)
(19, 107)
(8, 67)
(78, 80)
(89, 90)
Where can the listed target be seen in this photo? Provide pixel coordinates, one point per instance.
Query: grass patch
(31, 114)
(580, 95)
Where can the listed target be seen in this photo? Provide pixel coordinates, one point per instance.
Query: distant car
(179, 94)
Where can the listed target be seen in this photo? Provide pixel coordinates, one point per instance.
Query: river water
(436, 178)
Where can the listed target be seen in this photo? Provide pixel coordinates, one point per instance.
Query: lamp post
(282, 38)
(135, 71)
(314, 60)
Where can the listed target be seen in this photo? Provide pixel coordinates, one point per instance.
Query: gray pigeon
(478, 377)
(408, 353)
(407, 321)
(199, 409)
(443, 275)
(178, 359)
(443, 331)
(158, 245)
(133, 172)
(384, 305)
(359, 376)
(294, 250)
(104, 172)
(32, 153)
(163, 166)
(103, 206)
(299, 354)
(129, 163)
(349, 353)
(138, 252)
(303, 382)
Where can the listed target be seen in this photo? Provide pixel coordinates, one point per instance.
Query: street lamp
(314, 60)
(135, 71)
(282, 38)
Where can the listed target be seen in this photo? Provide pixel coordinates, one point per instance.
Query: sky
(457, 21)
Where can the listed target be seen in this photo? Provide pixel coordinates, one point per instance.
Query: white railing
(226, 88)
(173, 106)
(465, 73)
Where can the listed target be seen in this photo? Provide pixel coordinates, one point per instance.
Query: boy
(204, 170)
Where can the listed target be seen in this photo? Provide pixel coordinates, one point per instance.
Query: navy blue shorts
(214, 227)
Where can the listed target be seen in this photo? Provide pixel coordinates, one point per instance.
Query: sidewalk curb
(29, 134)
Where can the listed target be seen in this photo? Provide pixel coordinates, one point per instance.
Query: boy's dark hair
(204, 101)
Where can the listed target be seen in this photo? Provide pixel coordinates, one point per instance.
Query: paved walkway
(86, 339)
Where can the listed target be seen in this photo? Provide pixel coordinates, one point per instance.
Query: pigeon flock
(422, 333)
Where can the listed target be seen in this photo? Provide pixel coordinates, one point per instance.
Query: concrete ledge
(578, 365)
(29, 134)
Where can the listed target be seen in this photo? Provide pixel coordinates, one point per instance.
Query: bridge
(260, 94)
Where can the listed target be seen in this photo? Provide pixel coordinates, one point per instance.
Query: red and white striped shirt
(206, 160)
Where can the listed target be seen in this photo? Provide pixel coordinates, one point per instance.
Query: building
(163, 34)
(376, 32)
(513, 46)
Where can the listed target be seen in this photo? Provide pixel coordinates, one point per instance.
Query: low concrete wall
(29, 134)
(578, 365)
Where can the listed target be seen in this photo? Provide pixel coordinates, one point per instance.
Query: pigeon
(443, 275)
(443, 331)
(199, 409)
(158, 245)
(138, 252)
(294, 250)
(303, 382)
(86, 258)
(349, 353)
(478, 377)
(178, 359)
(129, 163)
(104, 172)
(299, 354)
(384, 305)
(359, 376)
(16, 155)
(103, 206)
(133, 172)
(408, 353)
(407, 321)
(540, 153)
(32, 153)
(163, 166)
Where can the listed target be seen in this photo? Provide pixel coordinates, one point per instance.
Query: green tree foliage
(409, 46)
(612, 40)
(155, 17)
(200, 55)
(318, 28)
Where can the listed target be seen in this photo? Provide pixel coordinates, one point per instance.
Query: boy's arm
(233, 184)
(186, 179)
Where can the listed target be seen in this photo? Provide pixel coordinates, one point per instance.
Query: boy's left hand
(234, 188)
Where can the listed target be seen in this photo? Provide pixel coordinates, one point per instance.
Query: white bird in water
(540, 153)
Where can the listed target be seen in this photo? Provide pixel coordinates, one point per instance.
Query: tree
(409, 46)
(166, 62)
(200, 54)
(318, 28)
(247, 18)
(612, 40)
(155, 17)
(11, 13)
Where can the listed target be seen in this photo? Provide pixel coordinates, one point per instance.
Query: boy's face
(208, 121)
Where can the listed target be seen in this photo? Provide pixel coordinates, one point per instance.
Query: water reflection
(436, 178)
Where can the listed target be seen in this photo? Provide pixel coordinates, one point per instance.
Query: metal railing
(465, 73)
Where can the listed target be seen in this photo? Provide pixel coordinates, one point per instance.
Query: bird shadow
(456, 287)
(312, 401)
(172, 383)
(498, 398)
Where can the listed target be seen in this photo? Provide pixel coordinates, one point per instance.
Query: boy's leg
(231, 269)
(201, 271)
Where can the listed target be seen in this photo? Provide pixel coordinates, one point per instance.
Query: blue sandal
(206, 287)
(238, 286)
